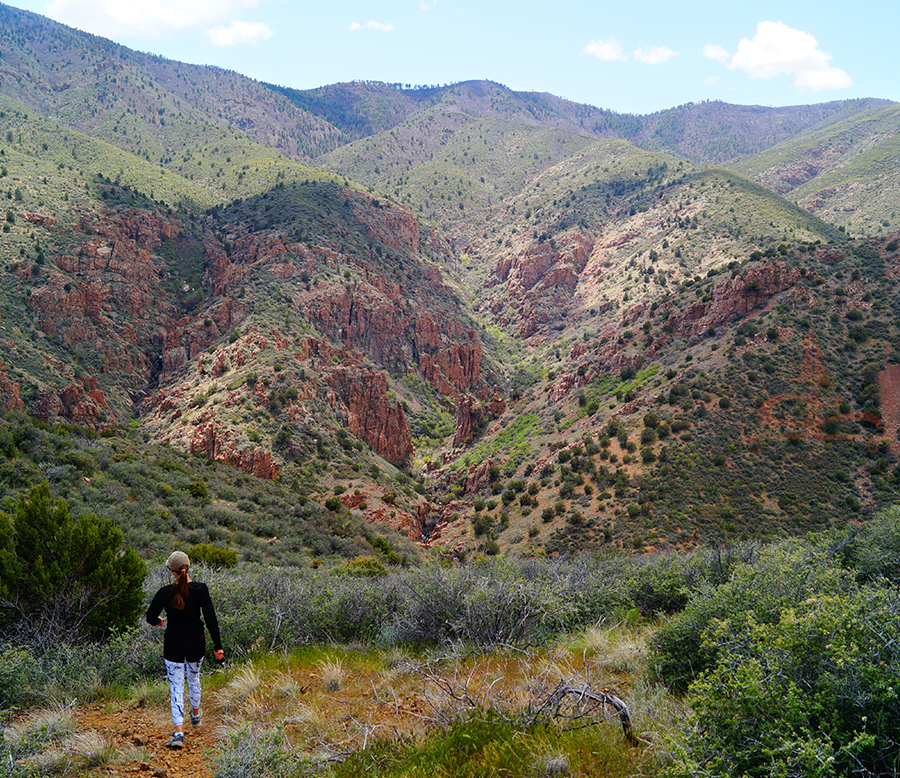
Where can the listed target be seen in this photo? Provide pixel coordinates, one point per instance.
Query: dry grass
(47, 724)
(332, 674)
(55, 746)
(150, 693)
(329, 703)
(240, 690)
(617, 650)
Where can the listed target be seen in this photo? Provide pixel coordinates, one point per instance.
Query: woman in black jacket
(187, 603)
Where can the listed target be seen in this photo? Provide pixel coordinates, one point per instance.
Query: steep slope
(515, 304)
(551, 222)
(306, 334)
(847, 173)
(155, 108)
(740, 404)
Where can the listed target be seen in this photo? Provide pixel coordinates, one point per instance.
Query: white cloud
(654, 55)
(609, 50)
(716, 52)
(113, 18)
(711, 80)
(239, 32)
(779, 50)
(382, 27)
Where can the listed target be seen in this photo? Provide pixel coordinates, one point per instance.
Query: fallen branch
(584, 693)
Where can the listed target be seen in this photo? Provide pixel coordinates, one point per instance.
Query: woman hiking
(187, 603)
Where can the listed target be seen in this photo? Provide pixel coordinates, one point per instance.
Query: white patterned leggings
(175, 671)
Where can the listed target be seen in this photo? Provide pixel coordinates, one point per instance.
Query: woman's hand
(219, 654)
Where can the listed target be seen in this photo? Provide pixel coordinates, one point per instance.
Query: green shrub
(812, 693)
(252, 751)
(198, 489)
(212, 556)
(364, 566)
(384, 547)
(873, 550)
(75, 575)
(15, 672)
(782, 575)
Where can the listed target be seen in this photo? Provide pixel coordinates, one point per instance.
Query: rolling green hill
(845, 173)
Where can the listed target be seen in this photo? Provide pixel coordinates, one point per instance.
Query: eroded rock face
(471, 415)
(394, 331)
(217, 442)
(395, 226)
(113, 298)
(107, 301)
(371, 414)
(398, 313)
(10, 398)
(736, 297)
(541, 280)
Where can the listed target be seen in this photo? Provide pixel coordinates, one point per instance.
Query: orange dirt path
(140, 734)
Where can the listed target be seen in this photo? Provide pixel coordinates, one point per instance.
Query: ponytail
(181, 589)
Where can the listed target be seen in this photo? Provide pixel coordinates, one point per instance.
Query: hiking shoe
(176, 741)
(195, 718)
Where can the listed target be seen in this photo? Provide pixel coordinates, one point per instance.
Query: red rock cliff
(372, 416)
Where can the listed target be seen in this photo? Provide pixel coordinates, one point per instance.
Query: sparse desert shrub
(252, 751)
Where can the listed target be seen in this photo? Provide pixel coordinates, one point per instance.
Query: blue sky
(632, 56)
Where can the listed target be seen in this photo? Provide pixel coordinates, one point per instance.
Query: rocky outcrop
(391, 306)
(216, 442)
(473, 416)
(80, 403)
(453, 369)
(186, 337)
(396, 335)
(47, 222)
(371, 415)
(10, 397)
(541, 280)
(736, 297)
(106, 299)
(394, 226)
(479, 476)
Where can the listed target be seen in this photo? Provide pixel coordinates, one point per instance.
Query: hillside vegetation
(845, 173)
(510, 434)
(498, 653)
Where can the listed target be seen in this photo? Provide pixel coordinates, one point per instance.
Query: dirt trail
(889, 390)
(818, 399)
(139, 734)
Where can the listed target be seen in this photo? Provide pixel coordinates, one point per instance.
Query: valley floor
(332, 710)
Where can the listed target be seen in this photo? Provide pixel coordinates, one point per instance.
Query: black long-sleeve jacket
(186, 624)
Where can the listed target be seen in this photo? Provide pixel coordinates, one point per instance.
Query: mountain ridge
(454, 311)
